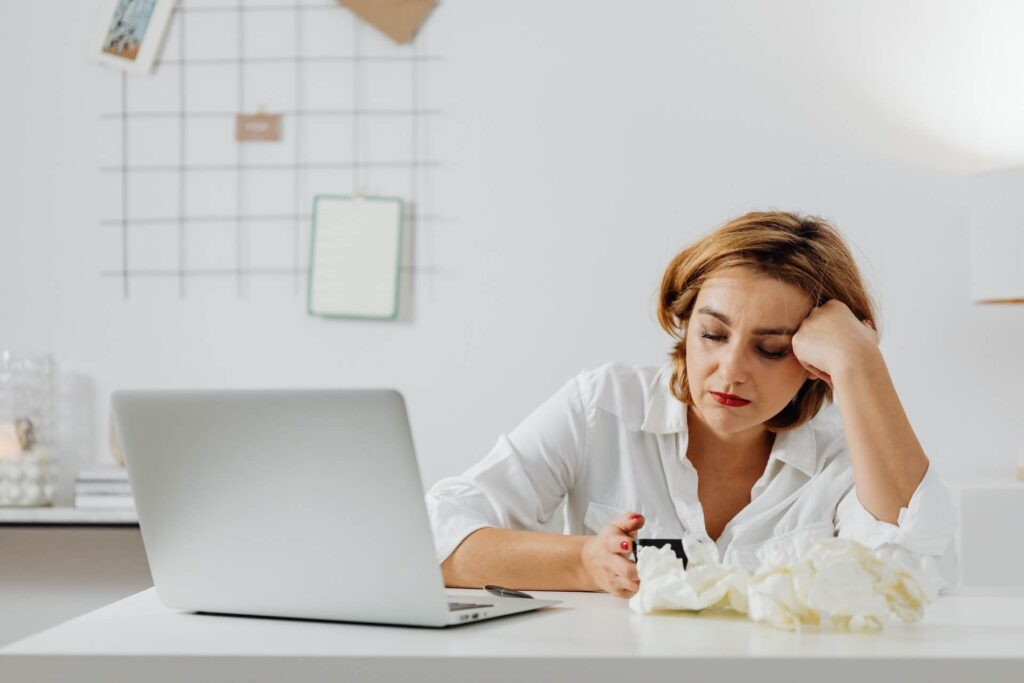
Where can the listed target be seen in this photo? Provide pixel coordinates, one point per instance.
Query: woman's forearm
(523, 560)
(888, 461)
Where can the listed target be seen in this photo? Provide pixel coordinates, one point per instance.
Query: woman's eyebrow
(762, 331)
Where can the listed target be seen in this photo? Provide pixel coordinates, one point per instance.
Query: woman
(725, 441)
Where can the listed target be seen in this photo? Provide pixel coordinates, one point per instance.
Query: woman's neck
(727, 454)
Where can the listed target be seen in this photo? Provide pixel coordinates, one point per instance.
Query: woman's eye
(764, 352)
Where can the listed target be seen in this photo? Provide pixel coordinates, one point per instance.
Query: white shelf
(66, 516)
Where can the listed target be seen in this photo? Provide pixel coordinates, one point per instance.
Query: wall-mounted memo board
(184, 199)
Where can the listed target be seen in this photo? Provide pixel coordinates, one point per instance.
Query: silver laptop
(304, 504)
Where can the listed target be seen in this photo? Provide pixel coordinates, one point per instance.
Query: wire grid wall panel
(187, 200)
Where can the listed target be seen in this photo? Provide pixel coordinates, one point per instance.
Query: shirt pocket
(599, 514)
(786, 548)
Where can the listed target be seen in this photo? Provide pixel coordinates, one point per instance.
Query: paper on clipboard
(355, 256)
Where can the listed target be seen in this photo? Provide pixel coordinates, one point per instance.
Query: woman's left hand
(831, 337)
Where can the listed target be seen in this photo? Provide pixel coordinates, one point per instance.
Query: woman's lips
(729, 400)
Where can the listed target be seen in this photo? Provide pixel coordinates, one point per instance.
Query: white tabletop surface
(964, 636)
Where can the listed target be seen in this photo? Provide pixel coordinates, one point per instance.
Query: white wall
(582, 143)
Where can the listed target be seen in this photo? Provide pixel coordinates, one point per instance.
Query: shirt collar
(665, 414)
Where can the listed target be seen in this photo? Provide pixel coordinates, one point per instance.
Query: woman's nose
(733, 366)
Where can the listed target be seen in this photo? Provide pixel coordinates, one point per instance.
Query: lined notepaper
(356, 250)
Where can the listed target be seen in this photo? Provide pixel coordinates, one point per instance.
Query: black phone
(675, 543)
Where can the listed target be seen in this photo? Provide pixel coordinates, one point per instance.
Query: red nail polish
(624, 545)
(637, 517)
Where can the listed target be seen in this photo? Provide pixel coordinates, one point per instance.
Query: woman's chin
(729, 420)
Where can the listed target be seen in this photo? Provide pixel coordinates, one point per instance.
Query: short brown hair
(804, 251)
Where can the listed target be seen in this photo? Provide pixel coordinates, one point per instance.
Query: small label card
(258, 127)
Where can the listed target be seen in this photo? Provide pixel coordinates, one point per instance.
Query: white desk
(590, 637)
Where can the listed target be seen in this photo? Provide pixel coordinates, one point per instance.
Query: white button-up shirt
(613, 440)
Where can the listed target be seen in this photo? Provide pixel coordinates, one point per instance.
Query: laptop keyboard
(455, 606)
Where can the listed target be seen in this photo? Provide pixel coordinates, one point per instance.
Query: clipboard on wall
(355, 254)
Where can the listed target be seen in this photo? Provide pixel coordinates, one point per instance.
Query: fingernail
(637, 517)
(624, 545)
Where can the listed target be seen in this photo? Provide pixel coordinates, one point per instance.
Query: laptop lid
(292, 503)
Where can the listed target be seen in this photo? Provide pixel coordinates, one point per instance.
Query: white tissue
(664, 584)
(839, 584)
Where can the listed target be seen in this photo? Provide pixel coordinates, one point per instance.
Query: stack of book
(103, 488)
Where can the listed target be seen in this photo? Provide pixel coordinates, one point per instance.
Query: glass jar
(27, 462)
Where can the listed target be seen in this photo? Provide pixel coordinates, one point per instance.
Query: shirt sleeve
(522, 482)
(923, 536)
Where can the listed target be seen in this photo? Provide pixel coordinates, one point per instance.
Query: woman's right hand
(606, 560)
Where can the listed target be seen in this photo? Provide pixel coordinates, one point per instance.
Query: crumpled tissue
(704, 584)
(839, 584)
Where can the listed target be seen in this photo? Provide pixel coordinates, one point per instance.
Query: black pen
(506, 592)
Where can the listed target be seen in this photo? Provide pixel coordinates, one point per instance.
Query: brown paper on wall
(260, 127)
(397, 19)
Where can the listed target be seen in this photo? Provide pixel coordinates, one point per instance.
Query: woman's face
(738, 342)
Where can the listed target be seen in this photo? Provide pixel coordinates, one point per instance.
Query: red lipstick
(729, 400)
